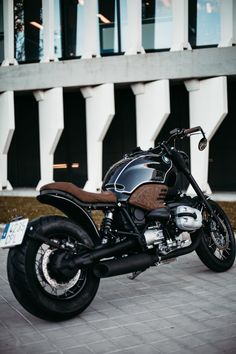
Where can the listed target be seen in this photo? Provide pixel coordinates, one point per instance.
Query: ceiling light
(103, 18)
(36, 24)
(75, 165)
(57, 166)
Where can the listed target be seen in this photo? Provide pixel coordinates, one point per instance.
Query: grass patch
(11, 207)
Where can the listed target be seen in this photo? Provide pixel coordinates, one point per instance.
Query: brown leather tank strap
(80, 194)
(149, 196)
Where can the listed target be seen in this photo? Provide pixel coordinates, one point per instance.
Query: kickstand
(135, 274)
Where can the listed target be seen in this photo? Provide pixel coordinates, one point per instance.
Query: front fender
(69, 206)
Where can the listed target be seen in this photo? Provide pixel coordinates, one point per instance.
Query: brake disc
(221, 241)
(52, 281)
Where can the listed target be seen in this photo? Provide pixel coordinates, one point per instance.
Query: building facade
(84, 81)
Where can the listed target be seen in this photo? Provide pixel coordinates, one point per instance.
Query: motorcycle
(55, 262)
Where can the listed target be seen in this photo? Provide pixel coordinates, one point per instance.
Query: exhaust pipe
(137, 262)
(124, 265)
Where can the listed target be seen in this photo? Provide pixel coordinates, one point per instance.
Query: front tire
(38, 288)
(217, 250)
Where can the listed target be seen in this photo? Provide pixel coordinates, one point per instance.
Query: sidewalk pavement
(180, 308)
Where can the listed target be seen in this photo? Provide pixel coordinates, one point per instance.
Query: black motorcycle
(55, 262)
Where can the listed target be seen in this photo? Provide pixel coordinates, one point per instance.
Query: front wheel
(37, 285)
(217, 249)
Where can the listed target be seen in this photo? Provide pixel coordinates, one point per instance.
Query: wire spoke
(53, 284)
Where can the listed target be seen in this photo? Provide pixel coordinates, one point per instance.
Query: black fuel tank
(131, 172)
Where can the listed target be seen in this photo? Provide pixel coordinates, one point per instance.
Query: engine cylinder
(153, 236)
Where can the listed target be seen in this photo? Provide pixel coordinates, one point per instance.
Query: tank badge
(166, 159)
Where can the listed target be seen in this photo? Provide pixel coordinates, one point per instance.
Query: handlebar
(174, 134)
(192, 130)
(181, 133)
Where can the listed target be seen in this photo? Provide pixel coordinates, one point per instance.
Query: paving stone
(142, 349)
(180, 308)
(78, 350)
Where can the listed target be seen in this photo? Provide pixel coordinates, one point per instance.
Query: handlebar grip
(192, 130)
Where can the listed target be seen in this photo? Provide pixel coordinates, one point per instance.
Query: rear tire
(37, 288)
(217, 251)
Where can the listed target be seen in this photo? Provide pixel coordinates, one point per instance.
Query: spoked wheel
(39, 286)
(217, 248)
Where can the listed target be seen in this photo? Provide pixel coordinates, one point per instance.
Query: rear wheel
(35, 281)
(217, 249)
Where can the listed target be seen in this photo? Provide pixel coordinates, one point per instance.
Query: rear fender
(73, 210)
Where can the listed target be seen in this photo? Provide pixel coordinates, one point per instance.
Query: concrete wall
(176, 65)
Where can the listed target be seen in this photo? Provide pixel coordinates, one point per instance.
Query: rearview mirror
(202, 144)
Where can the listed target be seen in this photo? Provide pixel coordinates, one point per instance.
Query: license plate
(13, 233)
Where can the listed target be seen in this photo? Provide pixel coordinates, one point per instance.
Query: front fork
(181, 165)
(205, 201)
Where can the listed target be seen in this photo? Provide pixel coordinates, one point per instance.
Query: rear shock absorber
(106, 226)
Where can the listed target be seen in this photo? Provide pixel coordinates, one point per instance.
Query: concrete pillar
(8, 19)
(180, 25)
(51, 124)
(100, 110)
(48, 31)
(208, 108)
(87, 38)
(7, 127)
(131, 26)
(227, 23)
(152, 110)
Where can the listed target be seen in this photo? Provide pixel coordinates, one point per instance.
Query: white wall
(208, 107)
(51, 124)
(7, 127)
(100, 110)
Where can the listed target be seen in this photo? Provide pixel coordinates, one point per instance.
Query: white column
(180, 25)
(8, 23)
(87, 38)
(131, 26)
(48, 31)
(227, 23)
(100, 110)
(51, 124)
(7, 127)
(152, 110)
(208, 108)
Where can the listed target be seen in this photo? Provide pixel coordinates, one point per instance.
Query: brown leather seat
(79, 193)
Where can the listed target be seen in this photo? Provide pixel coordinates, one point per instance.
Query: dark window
(70, 158)
(109, 26)
(178, 118)
(23, 155)
(69, 27)
(28, 30)
(222, 167)
(121, 135)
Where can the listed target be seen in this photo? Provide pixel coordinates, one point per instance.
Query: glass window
(109, 26)
(69, 27)
(156, 24)
(1, 32)
(28, 30)
(208, 22)
(72, 19)
(57, 29)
